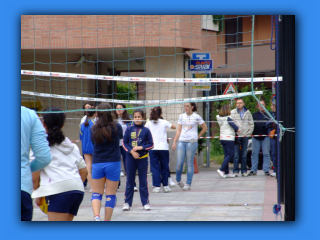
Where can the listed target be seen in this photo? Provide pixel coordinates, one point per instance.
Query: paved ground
(211, 198)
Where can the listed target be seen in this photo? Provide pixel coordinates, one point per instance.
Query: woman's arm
(204, 129)
(176, 137)
(36, 179)
(83, 172)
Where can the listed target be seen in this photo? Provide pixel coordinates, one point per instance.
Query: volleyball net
(142, 61)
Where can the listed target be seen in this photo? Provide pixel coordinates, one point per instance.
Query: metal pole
(208, 131)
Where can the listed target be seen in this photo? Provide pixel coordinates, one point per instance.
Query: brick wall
(105, 31)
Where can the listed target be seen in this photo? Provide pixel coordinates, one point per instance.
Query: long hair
(54, 122)
(104, 126)
(155, 113)
(89, 114)
(125, 115)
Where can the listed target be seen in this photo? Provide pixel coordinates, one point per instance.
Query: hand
(137, 148)
(238, 131)
(135, 155)
(38, 201)
(173, 146)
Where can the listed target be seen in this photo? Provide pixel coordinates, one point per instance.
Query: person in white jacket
(61, 182)
(227, 136)
(243, 119)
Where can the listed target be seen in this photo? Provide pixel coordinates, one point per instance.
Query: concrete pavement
(211, 198)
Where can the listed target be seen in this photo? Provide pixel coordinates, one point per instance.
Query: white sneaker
(245, 174)
(171, 182)
(166, 189)
(135, 189)
(273, 174)
(90, 190)
(121, 174)
(181, 185)
(156, 189)
(147, 207)
(186, 187)
(230, 175)
(96, 218)
(236, 174)
(221, 173)
(126, 207)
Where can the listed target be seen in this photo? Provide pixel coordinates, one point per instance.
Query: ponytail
(54, 122)
(155, 113)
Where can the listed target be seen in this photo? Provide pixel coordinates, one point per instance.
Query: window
(233, 31)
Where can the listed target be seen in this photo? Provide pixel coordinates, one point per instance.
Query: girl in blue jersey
(85, 137)
(106, 165)
(137, 142)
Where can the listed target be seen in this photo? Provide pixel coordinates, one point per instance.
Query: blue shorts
(67, 202)
(109, 170)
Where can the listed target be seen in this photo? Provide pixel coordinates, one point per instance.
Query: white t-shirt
(159, 133)
(124, 127)
(189, 126)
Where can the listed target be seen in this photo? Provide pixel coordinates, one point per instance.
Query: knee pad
(111, 201)
(96, 196)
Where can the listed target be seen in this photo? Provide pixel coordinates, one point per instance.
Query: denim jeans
(228, 150)
(256, 145)
(186, 150)
(273, 146)
(241, 154)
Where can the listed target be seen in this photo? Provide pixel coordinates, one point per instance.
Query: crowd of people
(236, 126)
(57, 172)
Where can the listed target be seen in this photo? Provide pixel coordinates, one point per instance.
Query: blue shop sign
(200, 65)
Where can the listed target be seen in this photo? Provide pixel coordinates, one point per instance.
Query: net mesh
(141, 60)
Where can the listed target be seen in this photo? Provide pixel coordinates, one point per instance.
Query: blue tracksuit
(85, 137)
(137, 135)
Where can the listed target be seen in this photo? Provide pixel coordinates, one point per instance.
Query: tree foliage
(126, 91)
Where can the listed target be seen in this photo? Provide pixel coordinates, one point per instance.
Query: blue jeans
(186, 150)
(242, 154)
(273, 146)
(256, 145)
(228, 149)
(159, 161)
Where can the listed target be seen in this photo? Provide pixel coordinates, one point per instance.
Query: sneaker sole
(221, 174)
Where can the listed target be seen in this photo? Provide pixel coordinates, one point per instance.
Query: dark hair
(239, 99)
(125, 115)
(89, 114)
(54, 122)
(155, 113)
(225, 110)
(83, 106)
(194, 106)
(104, 126)
(139, 111)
